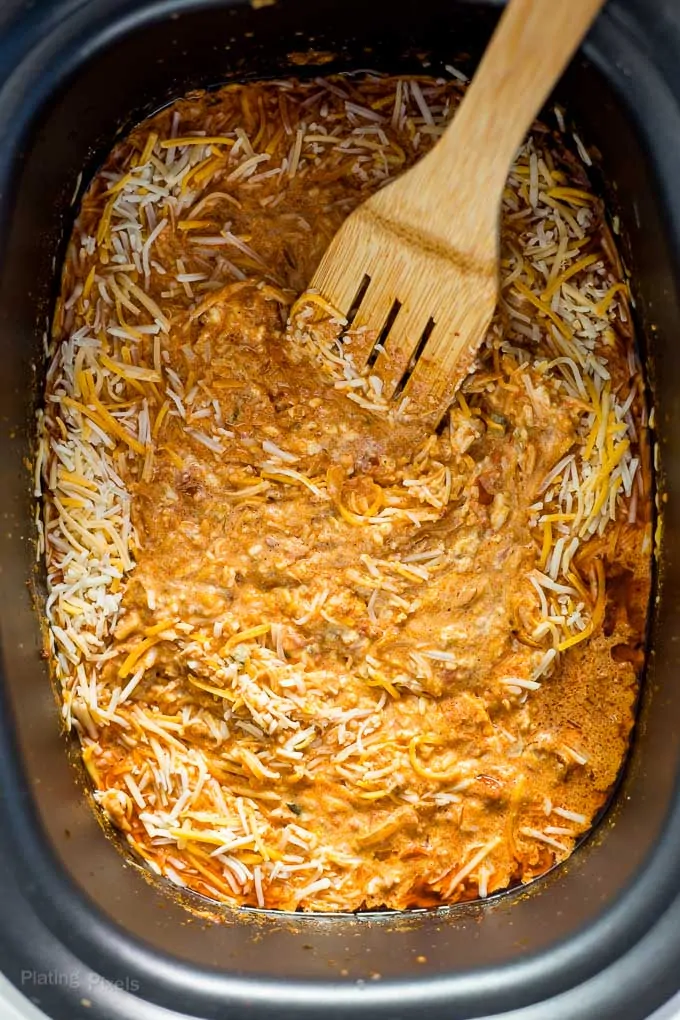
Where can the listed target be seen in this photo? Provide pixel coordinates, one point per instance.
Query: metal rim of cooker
(624, 966)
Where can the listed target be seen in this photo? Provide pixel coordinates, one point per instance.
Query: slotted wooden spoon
(419, 260)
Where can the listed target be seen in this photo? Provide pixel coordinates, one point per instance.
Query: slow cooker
(83, 931)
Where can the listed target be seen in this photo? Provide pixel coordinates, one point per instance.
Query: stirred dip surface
(318, 656)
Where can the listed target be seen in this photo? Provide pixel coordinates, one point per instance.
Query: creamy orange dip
(318, 656)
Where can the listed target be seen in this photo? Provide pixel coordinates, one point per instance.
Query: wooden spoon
(417, 264)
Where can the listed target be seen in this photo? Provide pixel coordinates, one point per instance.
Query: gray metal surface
(15, 1006)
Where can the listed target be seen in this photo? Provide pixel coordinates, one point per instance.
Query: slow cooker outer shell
(83, 933)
